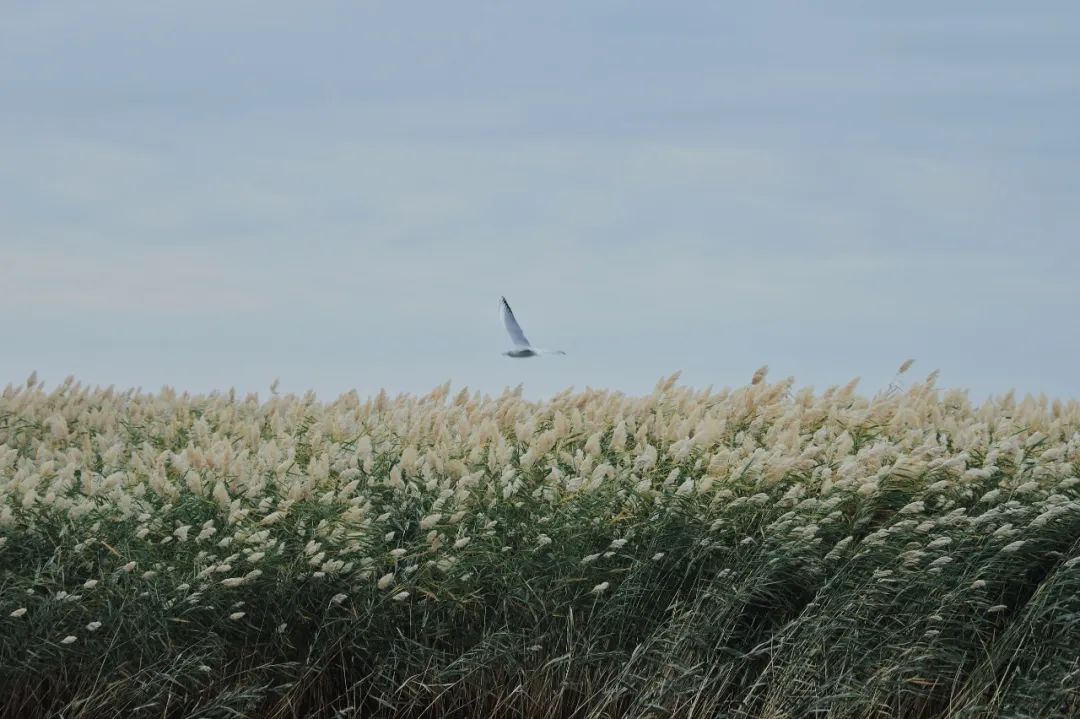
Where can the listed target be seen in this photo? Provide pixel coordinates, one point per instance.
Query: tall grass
(742, 553)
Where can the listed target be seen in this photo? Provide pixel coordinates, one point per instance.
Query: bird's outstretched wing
(516, 335)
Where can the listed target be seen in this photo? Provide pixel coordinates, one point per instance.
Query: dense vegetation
(742, 553)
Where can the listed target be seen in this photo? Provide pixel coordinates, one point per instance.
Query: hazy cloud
(210, 195)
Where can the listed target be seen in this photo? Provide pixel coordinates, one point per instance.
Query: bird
(522, 347)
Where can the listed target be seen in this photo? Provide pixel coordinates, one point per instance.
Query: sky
(209, 195)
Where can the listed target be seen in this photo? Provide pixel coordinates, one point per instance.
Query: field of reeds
(749, 552)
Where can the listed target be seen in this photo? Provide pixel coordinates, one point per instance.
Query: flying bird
(522, 347)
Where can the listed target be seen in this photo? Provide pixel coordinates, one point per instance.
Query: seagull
(522, 348)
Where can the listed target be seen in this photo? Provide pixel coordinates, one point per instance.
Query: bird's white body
(532, 352)
(522, 347)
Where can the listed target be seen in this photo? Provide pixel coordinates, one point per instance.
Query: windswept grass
(742, 553)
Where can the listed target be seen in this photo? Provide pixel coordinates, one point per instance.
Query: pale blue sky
(208, 194)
